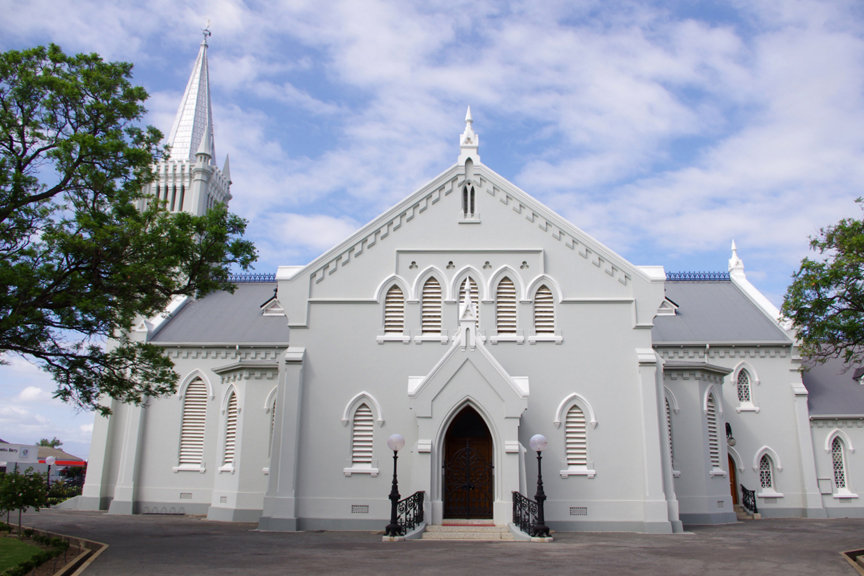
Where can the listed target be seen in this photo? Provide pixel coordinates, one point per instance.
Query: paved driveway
(193, 546)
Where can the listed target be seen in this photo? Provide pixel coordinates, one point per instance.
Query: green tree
(78, 261)
(55, 443)
(825, 301)
(19, 491)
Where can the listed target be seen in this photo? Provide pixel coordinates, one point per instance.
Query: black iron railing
(251, 278)
(410, 512)
(697, 276)
(748, 500)
(525, 513)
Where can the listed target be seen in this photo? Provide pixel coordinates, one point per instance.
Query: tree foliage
(53, 443)
(79, 262)
(825, 301)
(19, 491)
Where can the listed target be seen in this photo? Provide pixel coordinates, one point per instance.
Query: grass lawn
(13, 552)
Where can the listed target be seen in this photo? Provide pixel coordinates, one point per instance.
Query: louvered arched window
(468, 292)
(230, 430)
(766, 473)
(505, 306)
(713, 436)
(669, 430)
(838, 462)
(361, 436)
(394, 311)
(575, 437)
(544, 311)
(743, 386)
(431, 321)
(192, 427)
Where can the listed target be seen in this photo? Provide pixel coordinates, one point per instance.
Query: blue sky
(663, 129)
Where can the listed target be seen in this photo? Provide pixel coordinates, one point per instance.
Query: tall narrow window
(182, 196)
(431, 322)
(468, 206)
(713, 438)
(669, 430)
(468, 293)
(576, 441)
(173, 196)
(361, 440)
(394, 311)
(766, 473)
(230, 431)
(839, 464)
(505, 301)
(272, 426)
(743, 386)
(192, 427)
(544, 311)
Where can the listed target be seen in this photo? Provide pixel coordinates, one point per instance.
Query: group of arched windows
(469, 294)
(193, 426)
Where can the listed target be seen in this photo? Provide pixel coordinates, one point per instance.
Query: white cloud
(34, 394)
(86, 429)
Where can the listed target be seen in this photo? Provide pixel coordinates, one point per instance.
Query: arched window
(575, 437)
(766, 473)
(469, 293)
(192, 426)
(394, 311)
(361, 436)
(544, 311)
(839, 464)
(506, 306)
(713, 437)
(230, 430)
(431, 321)
(669, 430)
(743, 386)
(468, 207)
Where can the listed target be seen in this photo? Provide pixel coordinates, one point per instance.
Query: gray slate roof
(714, 312)
(831, 392)
(227, 318)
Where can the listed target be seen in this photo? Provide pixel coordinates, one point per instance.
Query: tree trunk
(20, 533)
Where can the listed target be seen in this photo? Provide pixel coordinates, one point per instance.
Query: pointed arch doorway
(468, 467)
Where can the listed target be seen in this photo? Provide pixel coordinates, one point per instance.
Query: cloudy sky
(663, 129)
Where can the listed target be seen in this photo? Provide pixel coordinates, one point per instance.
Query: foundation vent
(359, 509)
(770, 500)
(223, 499)
(578, 511)
(720, 504)
(185, 495)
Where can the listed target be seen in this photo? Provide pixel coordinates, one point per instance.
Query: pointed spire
(205, 150)
(226, 170)
(735, 263)
(468, 142)
(194, 116)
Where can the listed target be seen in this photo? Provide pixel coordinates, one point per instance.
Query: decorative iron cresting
(251, 278)
(697, 277)
(410, 511)
(525, 513)
(748, 500)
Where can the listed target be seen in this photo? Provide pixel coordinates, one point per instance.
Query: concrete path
(192, 546)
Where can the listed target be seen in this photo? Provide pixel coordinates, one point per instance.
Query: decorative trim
(736, 458)
(533, 285)
(453, 287)
(358, 399)
(578, 471)
(719, 405)
(775, 459)
(567, 402)
(673, 404)
(495, 279)
(518, 338)
(189, 378)
(847, 442)
(384, 286)
(556, 338)
(225, 397)
(268, 402)
(190, 468)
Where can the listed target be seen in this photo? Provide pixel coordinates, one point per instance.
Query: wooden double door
(468, 467)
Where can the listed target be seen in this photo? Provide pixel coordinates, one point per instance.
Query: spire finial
(205, 150)
(469, 142)
(206, 32)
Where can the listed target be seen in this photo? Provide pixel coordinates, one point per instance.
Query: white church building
(468, 318)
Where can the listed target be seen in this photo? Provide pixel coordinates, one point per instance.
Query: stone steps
(473, 530)
(743, 514)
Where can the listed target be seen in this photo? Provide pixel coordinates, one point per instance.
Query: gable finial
(469, 142)
(735, 263)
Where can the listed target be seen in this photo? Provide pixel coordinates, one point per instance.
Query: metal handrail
(410, 511)
(748, 500)
(525, 514)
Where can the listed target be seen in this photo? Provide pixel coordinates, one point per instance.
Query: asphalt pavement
(193, 546)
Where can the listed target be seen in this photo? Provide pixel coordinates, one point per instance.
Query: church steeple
(190, 181)
(194, 116)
